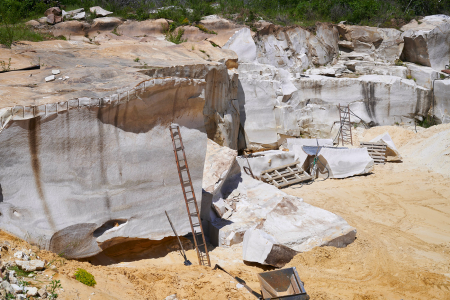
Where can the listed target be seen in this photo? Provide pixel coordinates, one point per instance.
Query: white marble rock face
(85, 179)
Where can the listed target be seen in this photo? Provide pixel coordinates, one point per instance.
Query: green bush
(85, 277)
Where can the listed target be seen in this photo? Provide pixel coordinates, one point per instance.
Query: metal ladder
(189, 196)
(345, 129)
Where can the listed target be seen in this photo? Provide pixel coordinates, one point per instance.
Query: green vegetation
(55, 284)
(427, 122)
(19, 272)
(85, 277)
(174, 34)
(384, 13)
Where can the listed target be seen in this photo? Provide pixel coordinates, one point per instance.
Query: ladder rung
(179, 148)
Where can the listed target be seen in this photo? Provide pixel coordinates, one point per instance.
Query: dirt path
(402, 249)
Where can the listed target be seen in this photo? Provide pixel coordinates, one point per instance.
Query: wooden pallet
(286, 175)
(377, 151)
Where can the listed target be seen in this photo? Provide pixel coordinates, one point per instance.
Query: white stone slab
(343, 163)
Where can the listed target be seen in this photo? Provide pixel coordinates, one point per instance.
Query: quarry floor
(402, 250)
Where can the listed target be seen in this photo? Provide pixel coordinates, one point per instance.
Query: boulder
(42, 21)
(71, 29)
(143, 28)
(99, 12)
(391, 150)
(264, 249)
(104, 24)
(70, 14)
(51, 19)
(242, 43)
(42, 293)
(30, 266)
(428, 43)
(56, 11)
(342, 163)
(33, 23)
(385, 44)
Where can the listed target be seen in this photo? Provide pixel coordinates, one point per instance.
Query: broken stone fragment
(32, 291)
(50, 78)
(53, 11)
(263, 248)
(30, 266)
(42, 293)
(51, 19)
(7, 287)
(55, 72)
(99, 12)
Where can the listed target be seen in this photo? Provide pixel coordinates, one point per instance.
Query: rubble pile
(18, 274)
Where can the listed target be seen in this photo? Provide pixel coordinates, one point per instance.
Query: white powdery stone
(295, 224)
(242, 43)
(441, 98)
(100, 12)
(85, 171)
(32, 265)
(50, 78)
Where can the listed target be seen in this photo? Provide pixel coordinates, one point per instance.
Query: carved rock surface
(428, 43)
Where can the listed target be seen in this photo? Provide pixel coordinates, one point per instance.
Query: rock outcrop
(93, 152)
(428, 42)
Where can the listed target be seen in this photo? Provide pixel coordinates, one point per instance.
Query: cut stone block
(263, 248)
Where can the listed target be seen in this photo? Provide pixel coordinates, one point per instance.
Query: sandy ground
(402, 250)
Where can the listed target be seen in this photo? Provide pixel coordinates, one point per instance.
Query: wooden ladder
(345, 130)
(189, 196)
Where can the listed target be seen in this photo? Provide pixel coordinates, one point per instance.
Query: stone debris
(55, 72)
(295, 224)
(32, 291)
(171, 297)
(31, 265)
(33, 23)
(391, 150)
(99, 12)
(50, 78)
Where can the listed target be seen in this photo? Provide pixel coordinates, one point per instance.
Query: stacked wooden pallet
(377, 151)
(286, 175)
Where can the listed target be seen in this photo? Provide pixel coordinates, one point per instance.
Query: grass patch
(427, 122)
(19, 272)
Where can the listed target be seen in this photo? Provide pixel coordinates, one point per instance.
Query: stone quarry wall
(80, 176)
